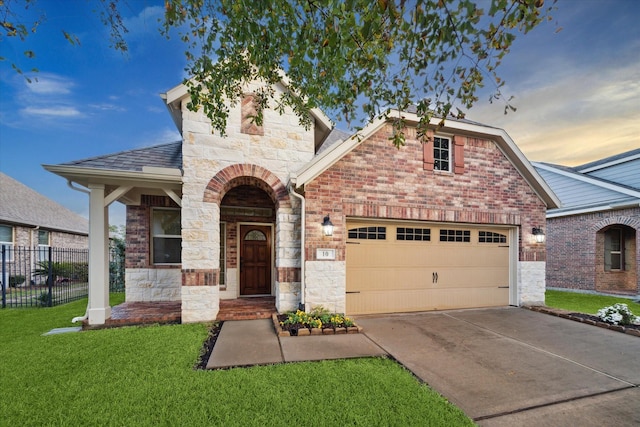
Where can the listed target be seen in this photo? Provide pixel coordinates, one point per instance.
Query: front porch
(170, 312)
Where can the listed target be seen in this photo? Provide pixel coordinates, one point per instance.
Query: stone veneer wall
(325, 285)
(152, 284)
(376, 180)
(531, 283)
(212, 166)
(144, 281)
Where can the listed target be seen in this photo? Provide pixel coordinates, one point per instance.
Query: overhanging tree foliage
(346, 57)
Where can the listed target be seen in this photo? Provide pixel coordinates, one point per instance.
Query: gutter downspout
(302, 243)
(86, 312)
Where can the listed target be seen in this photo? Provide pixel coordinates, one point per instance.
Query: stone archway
(247, 174)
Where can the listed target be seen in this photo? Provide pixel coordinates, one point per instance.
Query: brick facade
(379, 181)
(138, 231)
(575, 247)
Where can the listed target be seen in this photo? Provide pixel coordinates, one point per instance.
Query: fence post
(50, 280)
(4, 275)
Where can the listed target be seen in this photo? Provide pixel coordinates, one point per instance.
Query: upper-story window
(166, 236)
(441, 154)
(444, 153)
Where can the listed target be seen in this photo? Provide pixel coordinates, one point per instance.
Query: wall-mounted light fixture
(538, 233)
(327, 226)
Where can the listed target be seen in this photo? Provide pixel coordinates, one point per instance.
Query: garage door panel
(371, 302)
(385, 276)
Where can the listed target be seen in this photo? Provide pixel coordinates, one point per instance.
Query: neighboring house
(593, 240)
(437, 224)
(29, 219)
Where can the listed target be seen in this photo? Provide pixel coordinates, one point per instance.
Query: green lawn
(585, 303)
(144, 376)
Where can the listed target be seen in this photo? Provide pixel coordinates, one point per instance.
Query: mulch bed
(207, 346)
(293, 328)
(588, 319)
(597, 319)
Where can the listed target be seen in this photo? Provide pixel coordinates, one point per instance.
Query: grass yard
(585, 303)
(144, 376)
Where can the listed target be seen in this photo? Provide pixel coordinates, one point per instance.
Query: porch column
(99, 310)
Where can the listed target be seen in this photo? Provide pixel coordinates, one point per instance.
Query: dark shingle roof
(163, 156)
(22, 205)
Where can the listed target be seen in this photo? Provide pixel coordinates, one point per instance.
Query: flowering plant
(618, 314)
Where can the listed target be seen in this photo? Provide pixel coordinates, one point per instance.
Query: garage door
(401, 267)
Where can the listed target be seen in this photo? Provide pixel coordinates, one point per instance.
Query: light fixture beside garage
(327, 226)
(538, 233)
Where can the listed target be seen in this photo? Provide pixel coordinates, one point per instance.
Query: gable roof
(607, 184)
(22, 205)
(173, 98)
(327, 158)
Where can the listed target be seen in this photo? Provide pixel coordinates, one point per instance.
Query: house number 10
(325, 254)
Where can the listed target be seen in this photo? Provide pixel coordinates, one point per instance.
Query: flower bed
(318, 322)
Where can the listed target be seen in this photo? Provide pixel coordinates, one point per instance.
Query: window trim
(164, 236)
(450, 151)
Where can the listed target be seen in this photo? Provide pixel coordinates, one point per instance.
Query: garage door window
(490, 237)
(419, 234)
(368, 233)
(455, 236)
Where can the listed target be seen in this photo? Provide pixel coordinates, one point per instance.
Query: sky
(575, 82)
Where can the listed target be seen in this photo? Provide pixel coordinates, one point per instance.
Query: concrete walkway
(502, 367)
(254, 342)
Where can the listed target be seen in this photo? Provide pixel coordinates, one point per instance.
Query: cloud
(144, 23)
(572, 117)
(50, 84)
(108, 107)
(59, 111)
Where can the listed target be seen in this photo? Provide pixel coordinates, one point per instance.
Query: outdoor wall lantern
(327, 226)
(538, 233)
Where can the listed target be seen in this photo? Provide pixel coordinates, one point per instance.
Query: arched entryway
(616, 259)
(249, 194)
(247, 223)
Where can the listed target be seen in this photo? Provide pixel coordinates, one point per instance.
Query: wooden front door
(255, 260)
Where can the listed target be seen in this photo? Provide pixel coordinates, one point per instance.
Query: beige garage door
(402, 267)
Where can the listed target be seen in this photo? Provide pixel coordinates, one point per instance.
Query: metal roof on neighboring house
(623, 169)
(22, 205)
(610, 183)
(162, 156)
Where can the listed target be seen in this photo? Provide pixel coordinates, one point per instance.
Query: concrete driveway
(511, 366)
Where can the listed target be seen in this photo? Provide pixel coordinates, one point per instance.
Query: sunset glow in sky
(575, 83)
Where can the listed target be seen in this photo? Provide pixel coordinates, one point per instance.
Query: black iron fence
(47, 276)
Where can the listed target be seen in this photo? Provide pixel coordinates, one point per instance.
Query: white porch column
(99, 310)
